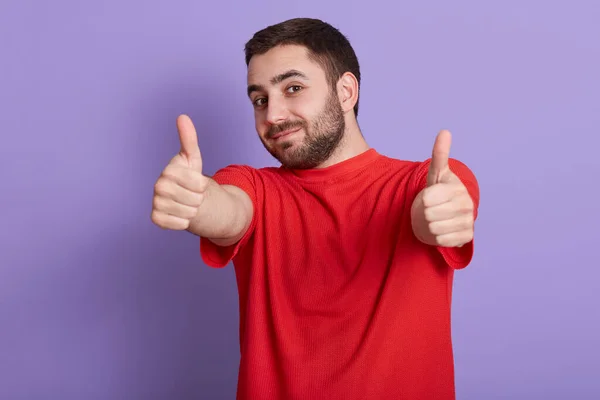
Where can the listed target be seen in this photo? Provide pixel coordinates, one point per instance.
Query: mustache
(284, 126)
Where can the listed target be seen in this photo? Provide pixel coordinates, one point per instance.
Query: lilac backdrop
(98, 303)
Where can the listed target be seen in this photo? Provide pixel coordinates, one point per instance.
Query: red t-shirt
(338, 299)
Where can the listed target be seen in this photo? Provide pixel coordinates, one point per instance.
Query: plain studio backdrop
(96, 302)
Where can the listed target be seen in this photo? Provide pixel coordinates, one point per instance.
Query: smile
(284, 133)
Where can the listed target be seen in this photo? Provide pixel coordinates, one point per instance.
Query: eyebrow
(292, 73)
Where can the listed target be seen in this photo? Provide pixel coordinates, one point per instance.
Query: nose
(276, 111)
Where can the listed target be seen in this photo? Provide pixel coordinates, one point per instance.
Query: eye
(259, 102)
(294, 89)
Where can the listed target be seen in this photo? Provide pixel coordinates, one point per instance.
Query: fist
(443, 213)
(180, 189)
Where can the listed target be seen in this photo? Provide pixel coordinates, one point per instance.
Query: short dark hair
(326, 45)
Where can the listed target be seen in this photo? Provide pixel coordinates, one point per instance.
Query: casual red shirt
(338, 299)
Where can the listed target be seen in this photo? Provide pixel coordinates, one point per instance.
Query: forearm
(223, 216)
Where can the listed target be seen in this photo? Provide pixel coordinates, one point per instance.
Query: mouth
(284, 133)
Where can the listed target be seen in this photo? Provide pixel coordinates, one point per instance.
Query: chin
(287, 157)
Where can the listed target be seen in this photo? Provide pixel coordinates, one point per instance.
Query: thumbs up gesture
(179, 191)
(442, 213)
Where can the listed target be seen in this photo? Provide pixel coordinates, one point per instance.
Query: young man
(344, 257)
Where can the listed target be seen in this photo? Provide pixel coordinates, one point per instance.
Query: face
(298, 115)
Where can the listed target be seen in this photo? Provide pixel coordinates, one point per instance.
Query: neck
(352, 144)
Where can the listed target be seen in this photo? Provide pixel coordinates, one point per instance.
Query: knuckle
(467, 203)
(197, 200)
(427, 199)
(464, 224)
(469, 235)
(172, 171)
(440, 240)
(190, 213)
(195, 181)
(160, 186)
(202, 184)
(184, 225)
(165, 222)
(168, 171)
(158, 219)
(433, 228)
(429, 215)
(470, 221)
(157, 203)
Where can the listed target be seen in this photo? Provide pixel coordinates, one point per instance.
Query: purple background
(98, 303)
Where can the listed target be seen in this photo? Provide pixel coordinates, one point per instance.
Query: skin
(442, 214)
(290, 95)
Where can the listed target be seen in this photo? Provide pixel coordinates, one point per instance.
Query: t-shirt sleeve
(455, 257)
(244, 178)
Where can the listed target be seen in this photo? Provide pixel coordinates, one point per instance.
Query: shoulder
(398, 169)
(419, 165)
(398, 164)
(247, 175)
(412, 174)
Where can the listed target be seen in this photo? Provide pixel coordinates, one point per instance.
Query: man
(344, 257)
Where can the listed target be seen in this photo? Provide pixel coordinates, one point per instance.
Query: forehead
(262, 68)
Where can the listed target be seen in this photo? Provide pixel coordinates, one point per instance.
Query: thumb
(189, 142)
(439, 157)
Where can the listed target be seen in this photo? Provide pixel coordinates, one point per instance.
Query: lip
(284, 133)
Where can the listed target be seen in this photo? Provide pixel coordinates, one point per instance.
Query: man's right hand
(180, 189)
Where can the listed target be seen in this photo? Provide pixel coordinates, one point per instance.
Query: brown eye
(259, 102)
(293, 89)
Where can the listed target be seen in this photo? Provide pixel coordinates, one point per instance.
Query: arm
(442, 213)
(186, 199)
(446, 205)
(224, 216)
(239, 184)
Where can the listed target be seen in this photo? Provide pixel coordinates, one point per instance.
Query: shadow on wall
(142, 318)
(164, 324)
(188, 311)
(119, 308)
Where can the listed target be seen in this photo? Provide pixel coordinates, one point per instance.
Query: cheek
(309, 110)
(260, 123)
(302, 107)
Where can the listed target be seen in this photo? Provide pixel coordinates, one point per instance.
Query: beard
(322, 137)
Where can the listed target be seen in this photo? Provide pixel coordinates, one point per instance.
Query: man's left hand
(442, 213)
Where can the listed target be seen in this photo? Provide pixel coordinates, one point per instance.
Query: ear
(348, 91)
